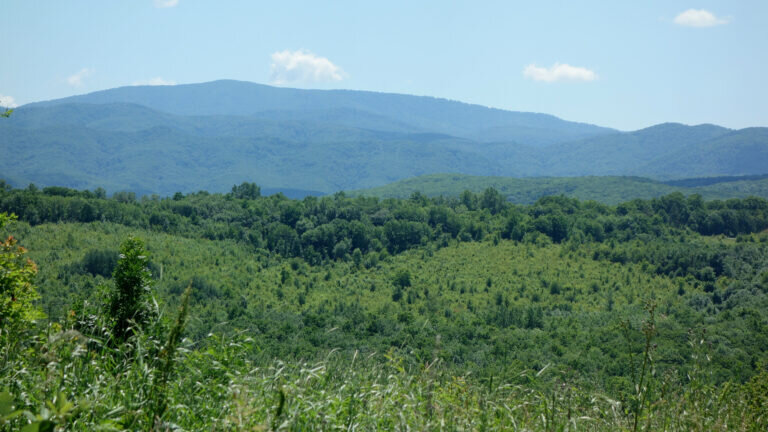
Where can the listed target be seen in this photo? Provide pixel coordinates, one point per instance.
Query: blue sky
(620, 64)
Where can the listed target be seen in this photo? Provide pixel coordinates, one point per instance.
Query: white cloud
(559, 72)
(291, 66)
(7, 102)
(166, 3)
(156, 81)
(699, 18)
(76, 79)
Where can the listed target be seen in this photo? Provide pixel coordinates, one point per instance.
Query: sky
(621, 64)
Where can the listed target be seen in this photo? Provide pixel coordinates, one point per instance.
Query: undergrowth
(63, 380)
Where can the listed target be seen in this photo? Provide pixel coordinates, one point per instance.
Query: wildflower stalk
(168, 354)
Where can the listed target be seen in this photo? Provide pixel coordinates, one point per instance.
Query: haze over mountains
(210, 136)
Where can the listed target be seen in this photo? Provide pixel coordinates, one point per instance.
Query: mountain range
(163, 139)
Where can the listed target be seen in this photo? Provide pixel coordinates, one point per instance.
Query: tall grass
(77, 383)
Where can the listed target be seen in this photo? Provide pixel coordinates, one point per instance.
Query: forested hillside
(607, 189)
(155, 153)
(164, 139)
(467, 312)
(664, 151)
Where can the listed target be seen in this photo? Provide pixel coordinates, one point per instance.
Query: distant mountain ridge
(210, 136)
(422, 113)
(629, 153)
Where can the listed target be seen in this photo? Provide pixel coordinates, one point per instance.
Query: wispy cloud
(7, 102)
(303, 66)
(699, 18)
(166, 3)
(76, 79)
(558, 72)
(156, 81)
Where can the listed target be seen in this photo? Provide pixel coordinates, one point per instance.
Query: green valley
(330, 309)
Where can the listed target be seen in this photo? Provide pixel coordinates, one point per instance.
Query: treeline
(338, 227)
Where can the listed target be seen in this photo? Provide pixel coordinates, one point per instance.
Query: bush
(402, 279)
(130, 301)
(16, 290)
(100, 262)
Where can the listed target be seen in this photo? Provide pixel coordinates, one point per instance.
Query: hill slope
(608, 189)
(86, 146)
(630, 153)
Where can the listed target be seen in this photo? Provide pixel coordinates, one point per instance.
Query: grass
(78, 384)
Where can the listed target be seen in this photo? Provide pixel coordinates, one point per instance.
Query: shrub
(16, 290)
(130, 301)
(100, 262)
(402, 279)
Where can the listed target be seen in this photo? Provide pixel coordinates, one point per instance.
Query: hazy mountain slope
(128, 146)
(418, 112)
(627, 153)
(110, 117)
(740, 152)
(664, 151)
(131, 118)
(708, 181)
(163, 160)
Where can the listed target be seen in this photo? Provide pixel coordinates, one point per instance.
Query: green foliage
(485, 321)
(605, 189)
(756, 395)
(402, 279)
(642, 372)
(167, 357)
(100, 262)
(130, 303)
(17, 293)
(220, 388)
(245, 191)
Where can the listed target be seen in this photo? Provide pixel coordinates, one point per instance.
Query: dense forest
(239, 311)
(605, 189)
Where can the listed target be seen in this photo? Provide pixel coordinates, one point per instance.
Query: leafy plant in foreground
(130, 301)
(167, 356)
(16, 290)
(642, 375)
